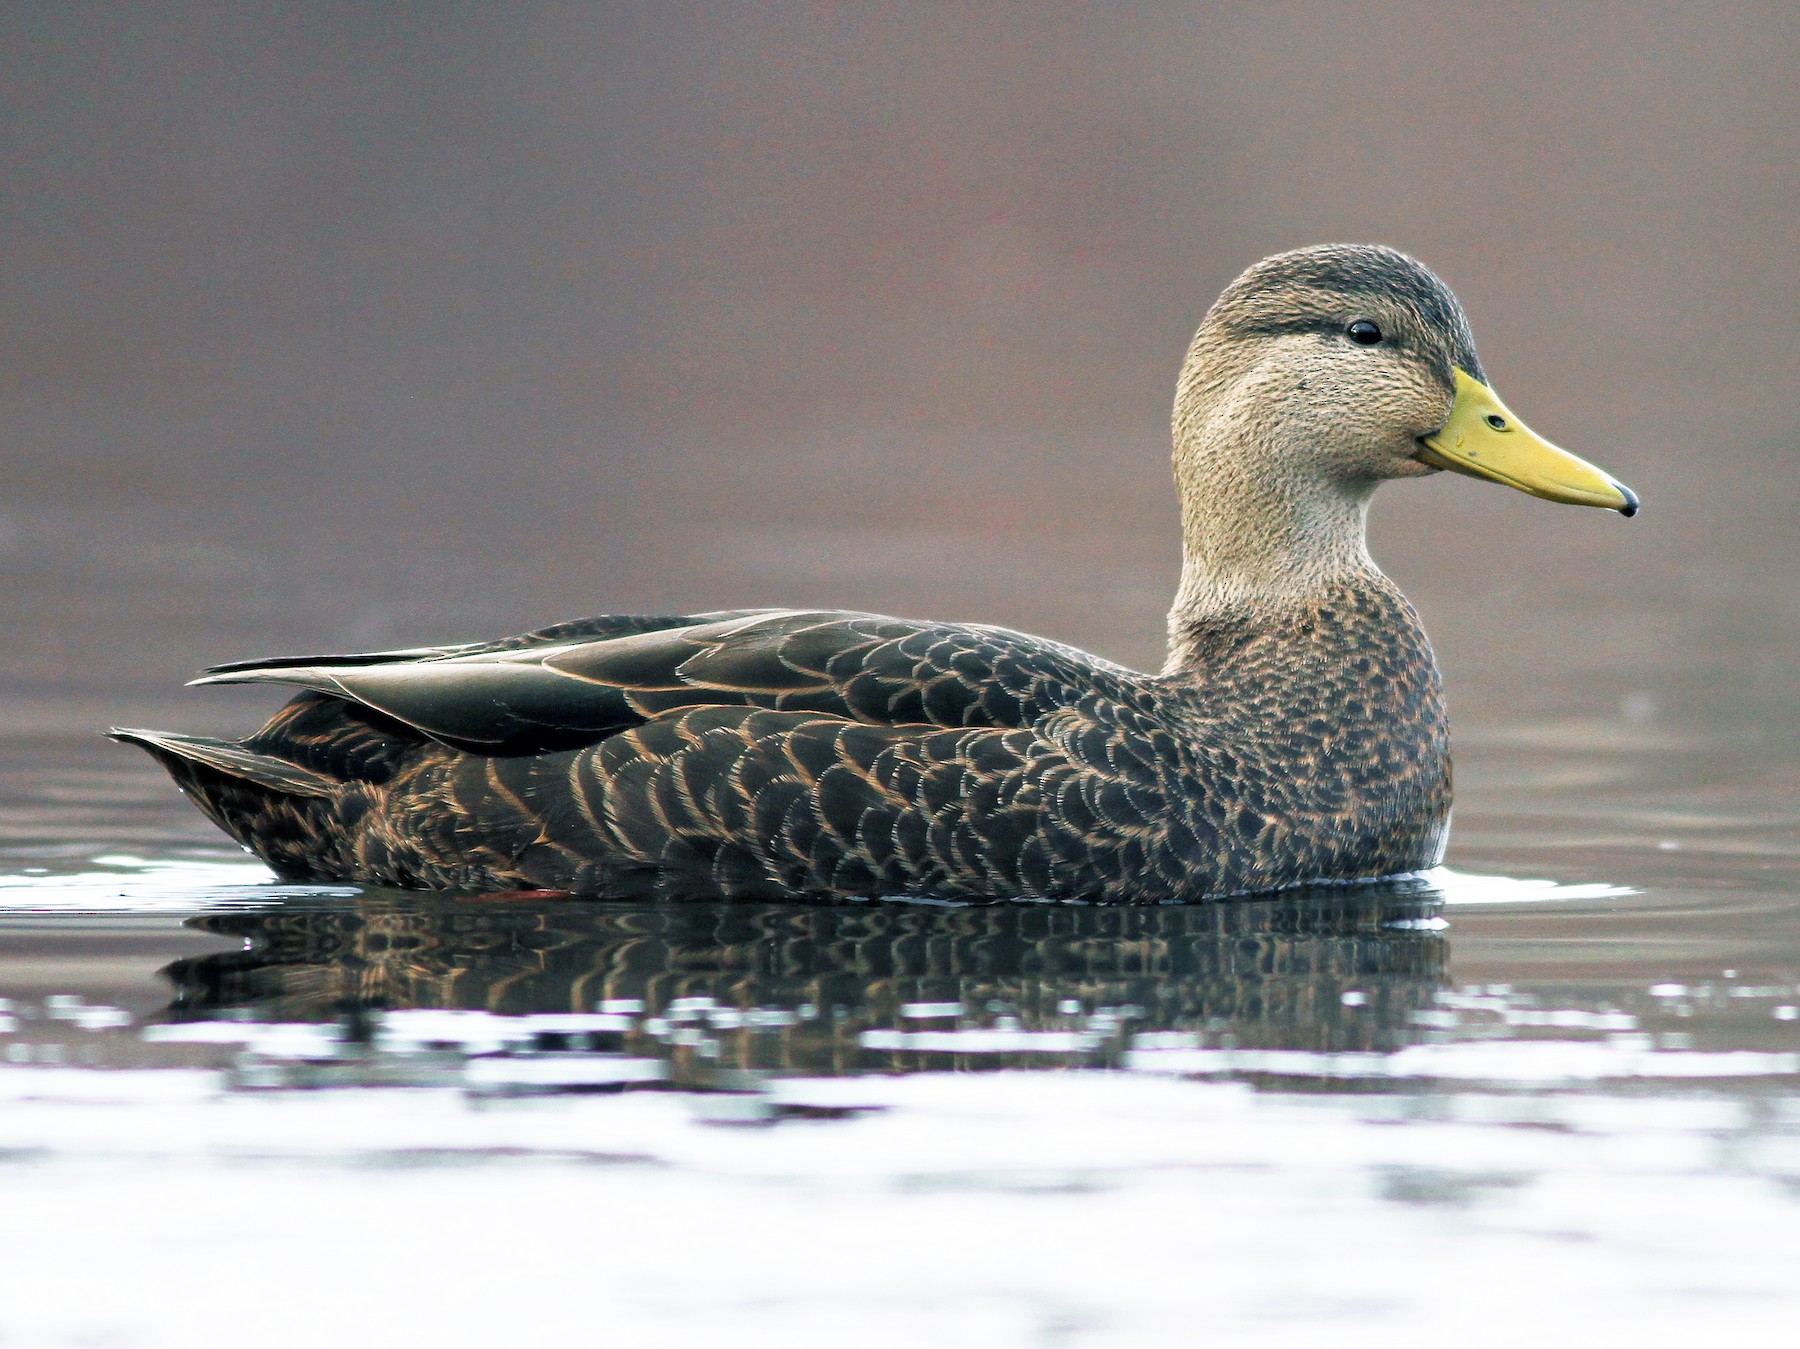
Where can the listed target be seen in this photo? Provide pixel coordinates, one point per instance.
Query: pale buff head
(1313, 378)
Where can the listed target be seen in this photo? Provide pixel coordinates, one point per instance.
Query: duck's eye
(1363, 333)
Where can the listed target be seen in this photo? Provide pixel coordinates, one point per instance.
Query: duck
(1295, 735)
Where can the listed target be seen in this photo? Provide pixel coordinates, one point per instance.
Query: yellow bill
(1484, 440)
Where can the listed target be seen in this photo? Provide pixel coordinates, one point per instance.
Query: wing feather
(577, 684)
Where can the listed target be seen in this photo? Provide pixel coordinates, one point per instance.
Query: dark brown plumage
(1297, 733)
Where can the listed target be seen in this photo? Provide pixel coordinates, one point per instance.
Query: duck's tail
(262, 801)
(180, 753)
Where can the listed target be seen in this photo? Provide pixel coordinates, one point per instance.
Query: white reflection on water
(997, 1210)
(1513, 1062)
(1460, 888)
(126, 883)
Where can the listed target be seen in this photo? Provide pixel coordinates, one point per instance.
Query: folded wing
(578, 683)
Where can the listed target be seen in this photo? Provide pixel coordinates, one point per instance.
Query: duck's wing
(576, 684)
(557, 634)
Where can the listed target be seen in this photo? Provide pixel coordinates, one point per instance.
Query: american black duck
(1296, 734)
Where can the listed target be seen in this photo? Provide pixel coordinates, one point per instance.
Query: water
(363, 331)
(1554, 1085)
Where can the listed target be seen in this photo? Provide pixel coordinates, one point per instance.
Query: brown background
(350, 325)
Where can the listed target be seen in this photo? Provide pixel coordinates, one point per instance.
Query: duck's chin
(1410, 466)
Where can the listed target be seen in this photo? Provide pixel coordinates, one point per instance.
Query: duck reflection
(860, 987)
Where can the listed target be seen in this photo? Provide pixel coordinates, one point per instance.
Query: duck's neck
(1257, 541)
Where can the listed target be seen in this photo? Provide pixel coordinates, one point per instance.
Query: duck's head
(1322, 372)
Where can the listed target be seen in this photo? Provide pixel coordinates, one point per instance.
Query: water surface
(1568, 1066)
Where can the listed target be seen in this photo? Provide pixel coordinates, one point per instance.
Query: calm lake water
(1556, 1086)
(340, 327)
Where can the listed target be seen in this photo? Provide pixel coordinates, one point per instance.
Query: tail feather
(264, 770)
